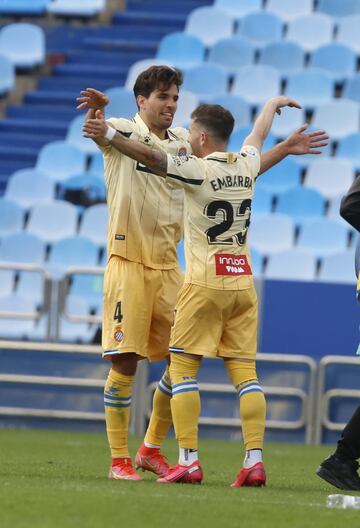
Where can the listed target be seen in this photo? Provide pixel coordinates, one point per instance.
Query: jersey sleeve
(124, 126)
(185, 171)
(251, 157)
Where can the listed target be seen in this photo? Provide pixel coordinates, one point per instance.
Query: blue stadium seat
(7, 278)
(330, 176)
(73, 251)
(186, 104)
(336, 59)
(347, 32)
(82, 190)
(271, 233)
(261, 203)
(22, 247)
(338, 9)
(75, 136)
(89, 288)
(238, 8)
(70, 332)
(289, 120)
(240, 109)
(96, 165)
(53, 221)
(302, 205)
(257, 262)
(122, 103)
(240, 134)
(261, 28)
(94, 224)
(11, 217)
(59, 160)
(290, 9)
(28, 187)
(281, 178)
(23, 7)
(287, 57)
(83, 9)
(333, 212)
(349, 148)
(206, 81)
(338, 267)
(310, 87)
(256, 84)
(232, 53)
(292, 264)
(14, 44)
(351, 89)
(7, 79)
(323, 237)
(311, 31)
(209, 24)
(181, 49)
(339, 118)
(11, 328)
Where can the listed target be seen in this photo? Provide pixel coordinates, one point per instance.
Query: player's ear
(140, 100)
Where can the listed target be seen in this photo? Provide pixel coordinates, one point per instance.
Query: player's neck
(161, 133)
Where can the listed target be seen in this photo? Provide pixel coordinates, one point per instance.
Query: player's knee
(241, 371)
(125, 364)
(183, 365)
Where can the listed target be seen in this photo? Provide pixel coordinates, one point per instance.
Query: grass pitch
(58, 479)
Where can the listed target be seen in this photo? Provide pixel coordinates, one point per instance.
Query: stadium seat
(347, 32)
(232, 53)
(23, 7)
(22, 247)
(291, 9)
(287, 57)
(96, 165)
(206, 81)
(261, 203)
(289, 120)
(338, 9)
(7, 278)
(75, 136)
(261, 28)
(338, 267)
(59, 160)
(180, 49)
(310, 87)
(122, 103)
(302, 205)
(14, 44)
(70, 332)
(11, 217)
(256, 84)
(311, 31)
(271, 233)
(209, 24)
(7, 79)
(330, 176)
(70, 252)
(90, 288)
(333, 212)
(238, 8)
(28, 187)
(83, 190)
(280, 178)
(339, 118)
(349, 148)
(240, 109)
(94, 224)
(351, 89)
(336, 59)
(292, 264)
(323, 237)
(240, 134)
(186, 104)
(53, 221)
(257, 262)
(11, 328)
(83, 9)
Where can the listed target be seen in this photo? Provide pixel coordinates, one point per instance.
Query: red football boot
(122, 469)
(151, 459)
(253, 476)
(192, 474)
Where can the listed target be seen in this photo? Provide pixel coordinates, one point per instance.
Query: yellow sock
(185, 401)
(117, 400)
(161, 419)
(252, 401)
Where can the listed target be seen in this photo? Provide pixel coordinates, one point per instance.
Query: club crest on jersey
(182, 152)
(118, 334)
(235, 265)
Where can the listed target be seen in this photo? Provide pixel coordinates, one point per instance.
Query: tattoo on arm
(159, 160)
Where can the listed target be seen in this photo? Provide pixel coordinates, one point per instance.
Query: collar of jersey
(227, 157)
(145, 129)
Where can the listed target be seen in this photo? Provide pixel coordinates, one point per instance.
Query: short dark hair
(155, 77)
(216, 119)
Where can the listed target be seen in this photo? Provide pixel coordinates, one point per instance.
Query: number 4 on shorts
(117, 314)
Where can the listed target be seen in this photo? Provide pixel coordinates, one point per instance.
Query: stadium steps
(70, 84)
(32, 126)
(106, 58)
(172, 22)
(43, 112)
(33, 141)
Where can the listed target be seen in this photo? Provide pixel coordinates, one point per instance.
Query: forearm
(264, 121)
(273, 156)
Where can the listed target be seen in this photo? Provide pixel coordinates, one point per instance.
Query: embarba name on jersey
(232, 181)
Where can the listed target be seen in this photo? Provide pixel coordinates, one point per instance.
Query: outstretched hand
(283, 100)
(95, 128)
(91, 98)
(300, 143)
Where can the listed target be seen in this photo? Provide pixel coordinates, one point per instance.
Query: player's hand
(283, 100)
(95, 128)
(300, 143)
(91, 98)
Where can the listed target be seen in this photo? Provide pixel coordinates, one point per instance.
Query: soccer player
(216, 312)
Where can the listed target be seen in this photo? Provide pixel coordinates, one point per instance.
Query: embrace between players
(161, 182)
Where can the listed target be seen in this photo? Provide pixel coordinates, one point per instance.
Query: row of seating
(64, 8)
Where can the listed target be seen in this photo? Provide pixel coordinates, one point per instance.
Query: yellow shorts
(215, 323)
(139, 307)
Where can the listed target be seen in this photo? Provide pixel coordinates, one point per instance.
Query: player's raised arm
(264, 121)
(94, 101)
(297, 143)
(98, 130)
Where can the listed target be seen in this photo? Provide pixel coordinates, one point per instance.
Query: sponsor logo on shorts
(182, 152)
(227, 264)
(118, 335)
